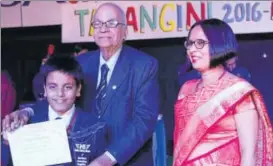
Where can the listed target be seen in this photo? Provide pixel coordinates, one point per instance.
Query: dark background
(24, 48)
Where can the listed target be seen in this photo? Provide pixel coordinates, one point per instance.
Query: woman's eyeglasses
(198, 43)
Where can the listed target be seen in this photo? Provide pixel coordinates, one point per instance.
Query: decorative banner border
(168, 19)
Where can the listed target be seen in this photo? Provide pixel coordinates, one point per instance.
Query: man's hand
(15, 120)
(102, 160)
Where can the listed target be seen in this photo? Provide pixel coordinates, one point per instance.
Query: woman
(220, 119)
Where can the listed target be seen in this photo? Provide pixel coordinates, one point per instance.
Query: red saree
(205, 131)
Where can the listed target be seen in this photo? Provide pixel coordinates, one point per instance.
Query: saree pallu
(205, 131)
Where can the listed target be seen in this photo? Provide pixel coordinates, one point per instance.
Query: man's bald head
(120, 12)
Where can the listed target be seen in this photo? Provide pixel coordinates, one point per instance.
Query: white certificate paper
(40, 144)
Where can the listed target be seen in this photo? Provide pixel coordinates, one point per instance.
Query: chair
(159, 143)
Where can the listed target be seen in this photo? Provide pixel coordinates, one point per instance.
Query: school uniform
(86, 135)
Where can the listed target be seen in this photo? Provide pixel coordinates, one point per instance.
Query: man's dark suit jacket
(87, 137)
(131, 104)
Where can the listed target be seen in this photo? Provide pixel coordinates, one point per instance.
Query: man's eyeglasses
(108, 24)
(198, 43)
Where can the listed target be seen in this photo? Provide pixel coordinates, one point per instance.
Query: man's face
(106, 35)
(61, 91)
(231, 63)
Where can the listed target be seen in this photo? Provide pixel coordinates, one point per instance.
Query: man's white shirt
(111, 63)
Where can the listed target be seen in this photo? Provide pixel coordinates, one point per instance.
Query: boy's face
(61, 91)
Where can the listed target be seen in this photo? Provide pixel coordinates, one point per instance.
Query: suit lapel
(76, 121)
(41, 112)
(91, 70)
(44, 116)
(119, 74)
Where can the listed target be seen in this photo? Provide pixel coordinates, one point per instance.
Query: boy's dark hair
(64, 63)
(222, 41)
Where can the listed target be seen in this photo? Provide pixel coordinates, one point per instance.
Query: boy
(62, 85)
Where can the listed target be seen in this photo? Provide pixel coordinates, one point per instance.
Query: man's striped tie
(101, 90)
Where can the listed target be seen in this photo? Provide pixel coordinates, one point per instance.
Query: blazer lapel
(44, 116)
(119, 74)
(91, 77)
(76, 121)
(41, 113)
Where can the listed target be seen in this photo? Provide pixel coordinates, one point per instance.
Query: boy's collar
(52, 115)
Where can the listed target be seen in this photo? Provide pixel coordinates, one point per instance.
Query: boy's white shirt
(66, 117)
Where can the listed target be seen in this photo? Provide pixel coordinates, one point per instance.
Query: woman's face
(197, 47)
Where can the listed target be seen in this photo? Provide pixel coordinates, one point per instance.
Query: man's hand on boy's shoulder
(16, 119)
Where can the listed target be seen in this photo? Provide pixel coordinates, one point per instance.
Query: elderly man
(120, 88)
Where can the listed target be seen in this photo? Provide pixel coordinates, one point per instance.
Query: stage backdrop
(145, 19)
(168, 19)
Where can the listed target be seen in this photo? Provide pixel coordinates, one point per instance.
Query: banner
(32, 13)
(168, 19)
(146, 19)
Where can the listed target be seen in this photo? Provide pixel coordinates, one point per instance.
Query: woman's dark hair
(222, 41)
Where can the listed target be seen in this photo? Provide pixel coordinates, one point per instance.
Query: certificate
(40, 144)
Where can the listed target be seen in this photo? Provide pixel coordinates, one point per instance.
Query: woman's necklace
(201, 85)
